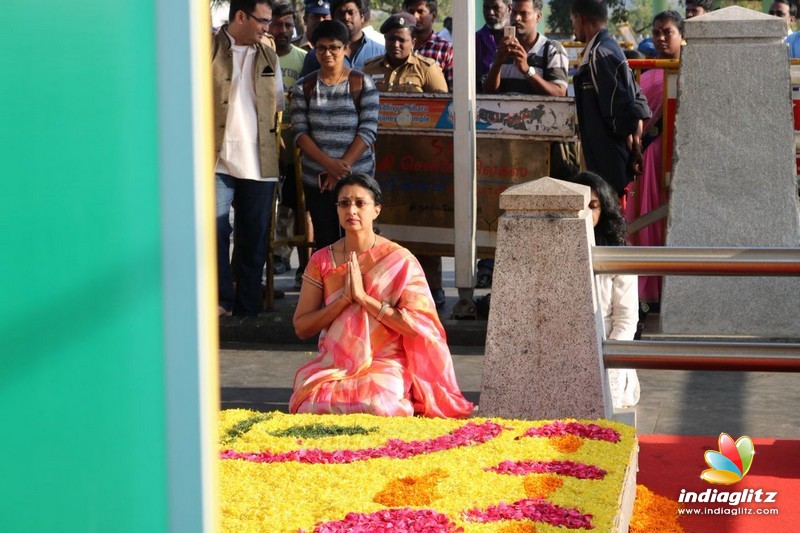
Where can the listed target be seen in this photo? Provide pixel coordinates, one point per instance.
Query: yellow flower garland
(294, 496)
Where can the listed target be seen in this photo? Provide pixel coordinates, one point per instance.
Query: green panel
(81, 355)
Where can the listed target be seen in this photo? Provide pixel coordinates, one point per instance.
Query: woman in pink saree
(382, 348)
(648, 193)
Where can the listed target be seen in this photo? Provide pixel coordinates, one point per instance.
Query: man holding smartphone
(528, 62)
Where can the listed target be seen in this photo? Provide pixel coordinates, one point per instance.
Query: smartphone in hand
(322, 177)
(509, 31)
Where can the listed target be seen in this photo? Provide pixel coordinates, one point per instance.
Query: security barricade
(671, 68)
(415, 161)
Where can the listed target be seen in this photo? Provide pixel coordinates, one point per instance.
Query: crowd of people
(374, 304)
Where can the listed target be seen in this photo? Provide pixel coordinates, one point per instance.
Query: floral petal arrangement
(362, 473)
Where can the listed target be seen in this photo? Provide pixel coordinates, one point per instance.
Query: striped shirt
(330, 119)
(552, 69)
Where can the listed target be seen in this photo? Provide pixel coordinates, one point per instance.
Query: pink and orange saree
(363, 366)
(647, 193)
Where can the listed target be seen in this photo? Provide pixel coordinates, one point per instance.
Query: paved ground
(672, 403)
(260, 355)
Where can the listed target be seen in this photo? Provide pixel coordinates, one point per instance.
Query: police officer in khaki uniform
(400, 69)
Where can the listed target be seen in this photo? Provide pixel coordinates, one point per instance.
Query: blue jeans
(252, 202)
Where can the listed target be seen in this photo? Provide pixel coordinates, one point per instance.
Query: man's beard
(497, 26)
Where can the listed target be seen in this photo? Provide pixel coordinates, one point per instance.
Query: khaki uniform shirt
(305, 44)
(417, 75)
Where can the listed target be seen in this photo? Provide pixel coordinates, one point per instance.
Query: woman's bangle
(384, 307)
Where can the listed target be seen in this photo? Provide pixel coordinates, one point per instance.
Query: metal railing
(663, 261)
(684, 355)
(700, 355)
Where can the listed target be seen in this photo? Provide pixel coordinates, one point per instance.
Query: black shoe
(280, 265)
(482, 304)
(438, 298)
(484, 280)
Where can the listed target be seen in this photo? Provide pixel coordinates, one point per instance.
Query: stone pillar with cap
(734, 172)
(543, 355)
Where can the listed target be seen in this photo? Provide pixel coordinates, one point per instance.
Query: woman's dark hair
(611, 229)
(792, 6)
(362, 180)
(674, 16)
(330, 29)
(594, 10)
(707, 5)
(633, 54)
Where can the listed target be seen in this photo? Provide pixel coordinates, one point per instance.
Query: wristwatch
(531, 72)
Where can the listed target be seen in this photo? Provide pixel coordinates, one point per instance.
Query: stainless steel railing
(663, 260)
(700, 355)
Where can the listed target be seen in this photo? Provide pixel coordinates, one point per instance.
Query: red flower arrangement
(564, 468)
(559, 429)
(466, 435)
(532, 509)
(395, 520)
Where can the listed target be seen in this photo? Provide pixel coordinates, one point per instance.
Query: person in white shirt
(617, 294)
(248, 92)
(447, 30)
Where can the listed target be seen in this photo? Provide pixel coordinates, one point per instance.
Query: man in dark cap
(316, 11)
(400, 69)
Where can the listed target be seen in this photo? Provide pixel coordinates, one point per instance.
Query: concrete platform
(673, 402)
(261, 354)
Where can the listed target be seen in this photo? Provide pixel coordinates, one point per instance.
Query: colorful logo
(731, 463)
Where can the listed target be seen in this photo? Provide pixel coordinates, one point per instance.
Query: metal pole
(465, 204)
(664, 260)
(680, 355)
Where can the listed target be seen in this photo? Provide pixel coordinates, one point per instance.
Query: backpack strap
(356, 82)
(309, 82)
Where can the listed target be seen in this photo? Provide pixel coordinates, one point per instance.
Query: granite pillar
(733, 178)
(543, 355)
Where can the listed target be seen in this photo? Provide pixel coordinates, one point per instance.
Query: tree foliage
(395, 6)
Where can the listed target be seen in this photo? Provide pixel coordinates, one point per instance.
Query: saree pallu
(365, 367)
(646, 194)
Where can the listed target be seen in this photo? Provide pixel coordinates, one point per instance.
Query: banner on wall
(417, 180)
(539, 117)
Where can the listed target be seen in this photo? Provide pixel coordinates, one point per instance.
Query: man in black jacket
(609, 102)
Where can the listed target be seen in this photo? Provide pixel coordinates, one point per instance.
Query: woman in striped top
(335, 124)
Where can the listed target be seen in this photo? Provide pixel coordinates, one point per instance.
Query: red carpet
(668, 464)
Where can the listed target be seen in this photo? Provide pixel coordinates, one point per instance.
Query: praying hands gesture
(353, 283)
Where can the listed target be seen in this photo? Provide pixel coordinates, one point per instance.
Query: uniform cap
(399, 20)
(318, 7)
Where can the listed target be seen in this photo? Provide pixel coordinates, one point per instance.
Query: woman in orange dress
(382, 348)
